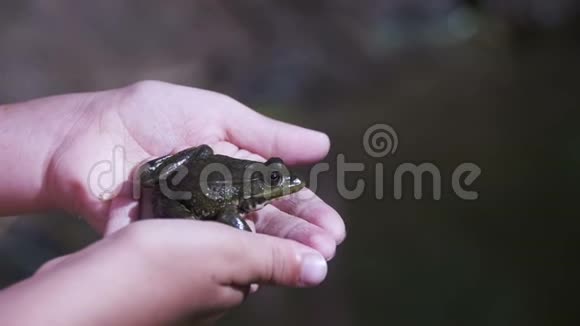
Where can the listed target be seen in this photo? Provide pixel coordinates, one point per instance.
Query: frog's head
(264, 182)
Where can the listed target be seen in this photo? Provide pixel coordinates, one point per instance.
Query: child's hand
(156, 271)
(54, 145)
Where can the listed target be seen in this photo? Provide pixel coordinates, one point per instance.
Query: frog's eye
(275, 177)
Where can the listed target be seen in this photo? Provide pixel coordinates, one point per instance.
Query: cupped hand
(156, 271)
(151, 119)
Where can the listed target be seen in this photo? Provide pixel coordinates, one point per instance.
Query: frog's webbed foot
(233, 218)
(161, 167)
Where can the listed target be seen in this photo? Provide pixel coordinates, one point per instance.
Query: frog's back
(151, 172)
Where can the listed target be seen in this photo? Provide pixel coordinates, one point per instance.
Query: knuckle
(224, 297)
(341, 233)
(148, 85)
(280, 267)
(220, 97)
(48, 265)
(225, 101)
(143, 89)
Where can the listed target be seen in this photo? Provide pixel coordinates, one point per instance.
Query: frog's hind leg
(163, 166)
(165, 208)
(232, 218)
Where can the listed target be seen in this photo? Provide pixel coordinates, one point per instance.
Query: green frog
(198, 184)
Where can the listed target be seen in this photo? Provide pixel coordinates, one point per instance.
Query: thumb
(271, 260)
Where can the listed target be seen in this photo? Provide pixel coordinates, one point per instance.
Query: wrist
(30, 134)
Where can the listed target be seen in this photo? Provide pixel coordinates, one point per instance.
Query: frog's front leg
(232, 217)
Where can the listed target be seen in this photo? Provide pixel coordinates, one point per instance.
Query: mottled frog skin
(198, 184)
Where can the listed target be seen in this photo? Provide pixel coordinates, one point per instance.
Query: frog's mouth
(294, 184)
(269, 195)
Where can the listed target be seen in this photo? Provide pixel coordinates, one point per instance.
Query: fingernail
(313, 269)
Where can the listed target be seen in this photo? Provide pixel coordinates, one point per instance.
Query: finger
(271, 138)
(122, 212)
(251, 224)
(235, 259)
(306, 205)
(272, 221)
(209, 280)
(229, 149)
(51, 264)
(254, 287)
(264, 259)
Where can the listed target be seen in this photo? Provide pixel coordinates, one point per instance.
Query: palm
(153, 119)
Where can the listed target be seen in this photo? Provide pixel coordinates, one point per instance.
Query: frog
(198, 184)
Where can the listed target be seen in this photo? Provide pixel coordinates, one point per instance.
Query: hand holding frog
(153, 272)
(148, 120)
(151, 119)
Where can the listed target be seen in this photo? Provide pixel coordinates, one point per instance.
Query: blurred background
(493, 82)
